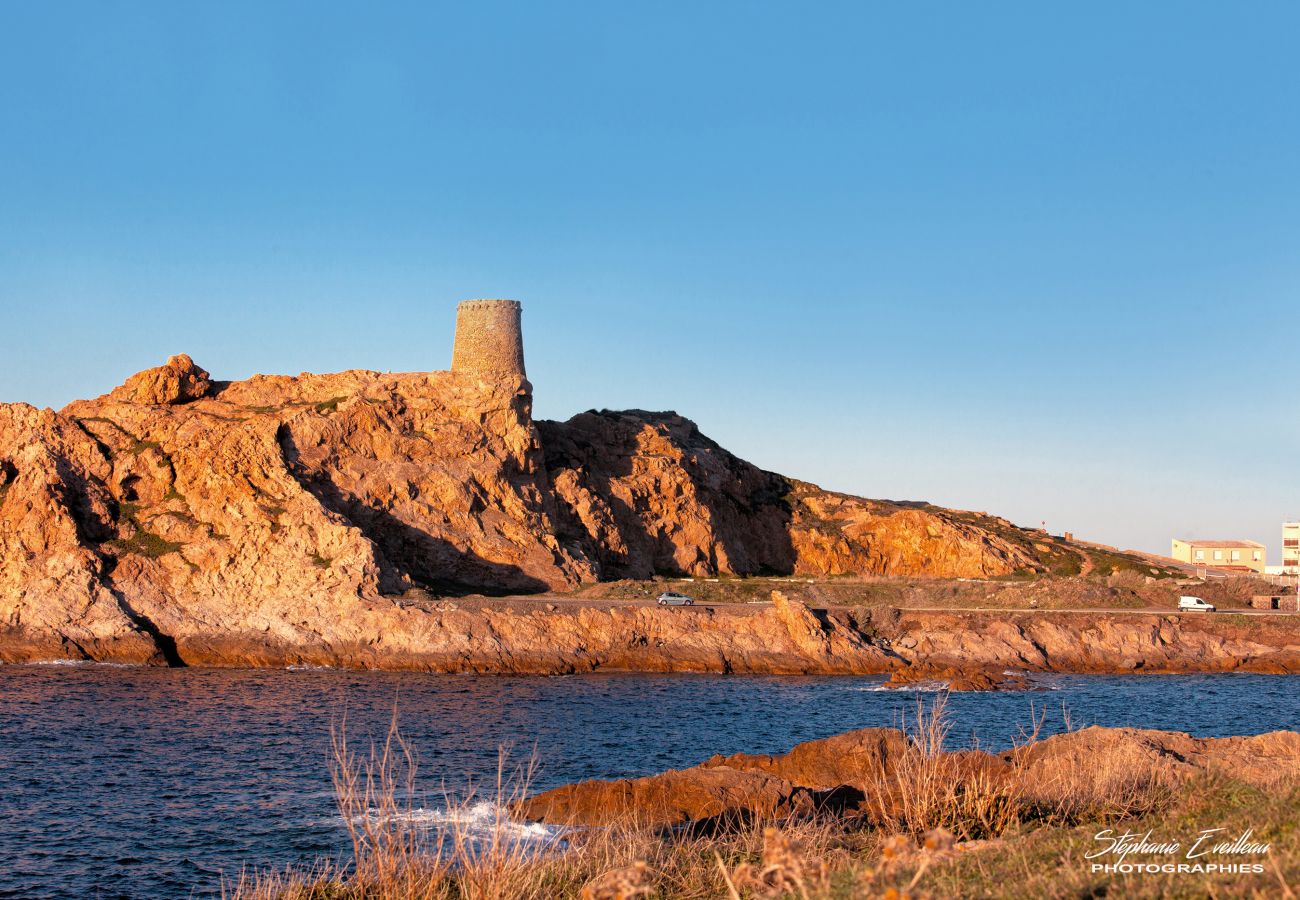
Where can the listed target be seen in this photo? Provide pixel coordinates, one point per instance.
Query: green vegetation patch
(140, 446)
(146, 543)
(1107, 562)
(142, 541)
(274, 512)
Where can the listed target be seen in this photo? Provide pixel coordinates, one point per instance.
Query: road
(535, 600)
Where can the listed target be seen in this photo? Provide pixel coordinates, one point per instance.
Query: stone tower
(488, 338)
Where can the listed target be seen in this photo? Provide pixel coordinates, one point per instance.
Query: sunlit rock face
(181, 519)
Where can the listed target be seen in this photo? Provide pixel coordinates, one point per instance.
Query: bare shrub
(1119, 782)
(925, 788)
(1127, 579)
(469, 848)
(921, 802)
(787, 868)
(393, 857)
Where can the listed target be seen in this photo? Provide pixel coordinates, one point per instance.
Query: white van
(1195, 603)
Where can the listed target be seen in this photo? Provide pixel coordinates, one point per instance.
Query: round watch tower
(489, 340)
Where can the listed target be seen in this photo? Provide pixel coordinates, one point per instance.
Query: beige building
(1240, 555)
(1291, 548)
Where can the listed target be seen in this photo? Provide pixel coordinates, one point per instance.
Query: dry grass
(400, 852)
(975, 797)
(1115, 785)
(912, 838)
(927, 789)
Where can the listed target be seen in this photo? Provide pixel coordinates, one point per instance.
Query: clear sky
(1039, 259)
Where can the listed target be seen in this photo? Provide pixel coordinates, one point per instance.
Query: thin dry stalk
(492, 860)
(393, 856)
(786, 869)
(925, 788)
(1117, 783)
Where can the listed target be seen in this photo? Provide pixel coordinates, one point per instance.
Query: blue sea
(157, 783)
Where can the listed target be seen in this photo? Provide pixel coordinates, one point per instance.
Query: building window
(1218, 554)
(1256, 556)
(1200, 554)
(1236, 555)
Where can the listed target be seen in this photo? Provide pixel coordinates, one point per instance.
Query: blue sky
(1035, 259)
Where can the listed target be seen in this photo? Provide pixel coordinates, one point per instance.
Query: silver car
(672, 598)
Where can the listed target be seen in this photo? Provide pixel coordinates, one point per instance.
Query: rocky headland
(342, 519)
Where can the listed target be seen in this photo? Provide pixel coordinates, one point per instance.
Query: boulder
(720, 795)
(1258, 759)
(179, 380)
(955, 678)
(844, 759)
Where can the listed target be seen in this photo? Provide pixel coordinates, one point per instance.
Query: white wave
(72, 663)
(307, 668)
(477, 822)
(898, 688)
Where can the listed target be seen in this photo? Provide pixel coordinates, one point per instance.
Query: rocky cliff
(181, 519)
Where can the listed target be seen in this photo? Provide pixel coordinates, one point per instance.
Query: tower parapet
(489, 340)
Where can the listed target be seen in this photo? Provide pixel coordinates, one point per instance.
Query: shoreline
(514, 637)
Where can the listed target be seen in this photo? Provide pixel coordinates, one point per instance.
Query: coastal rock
(645, 492)
(956, 679)
(803, 627)
(841, 774)
(53, 504)
(281, 519)
(179, 380)
(1261, 760)
(825, 764)
(719, 794)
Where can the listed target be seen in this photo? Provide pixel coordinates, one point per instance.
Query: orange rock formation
(180, 519)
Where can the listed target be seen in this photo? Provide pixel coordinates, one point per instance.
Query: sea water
(157, 783)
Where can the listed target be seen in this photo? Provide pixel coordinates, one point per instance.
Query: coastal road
(1148, 611)
(543, 600)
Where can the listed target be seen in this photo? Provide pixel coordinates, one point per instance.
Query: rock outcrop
(277, 519)
(719, 795)
(643, 493)
(1262, 759)
(825, 764)
(842, 774)
(721, 790)
(177, 381)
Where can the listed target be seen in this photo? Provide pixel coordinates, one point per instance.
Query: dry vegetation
(940, 825)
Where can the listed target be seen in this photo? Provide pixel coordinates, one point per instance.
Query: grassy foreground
(936, 827)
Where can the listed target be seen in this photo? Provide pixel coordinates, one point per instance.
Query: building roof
(1224, 544)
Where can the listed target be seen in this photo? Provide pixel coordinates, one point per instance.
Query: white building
(1291, 548)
